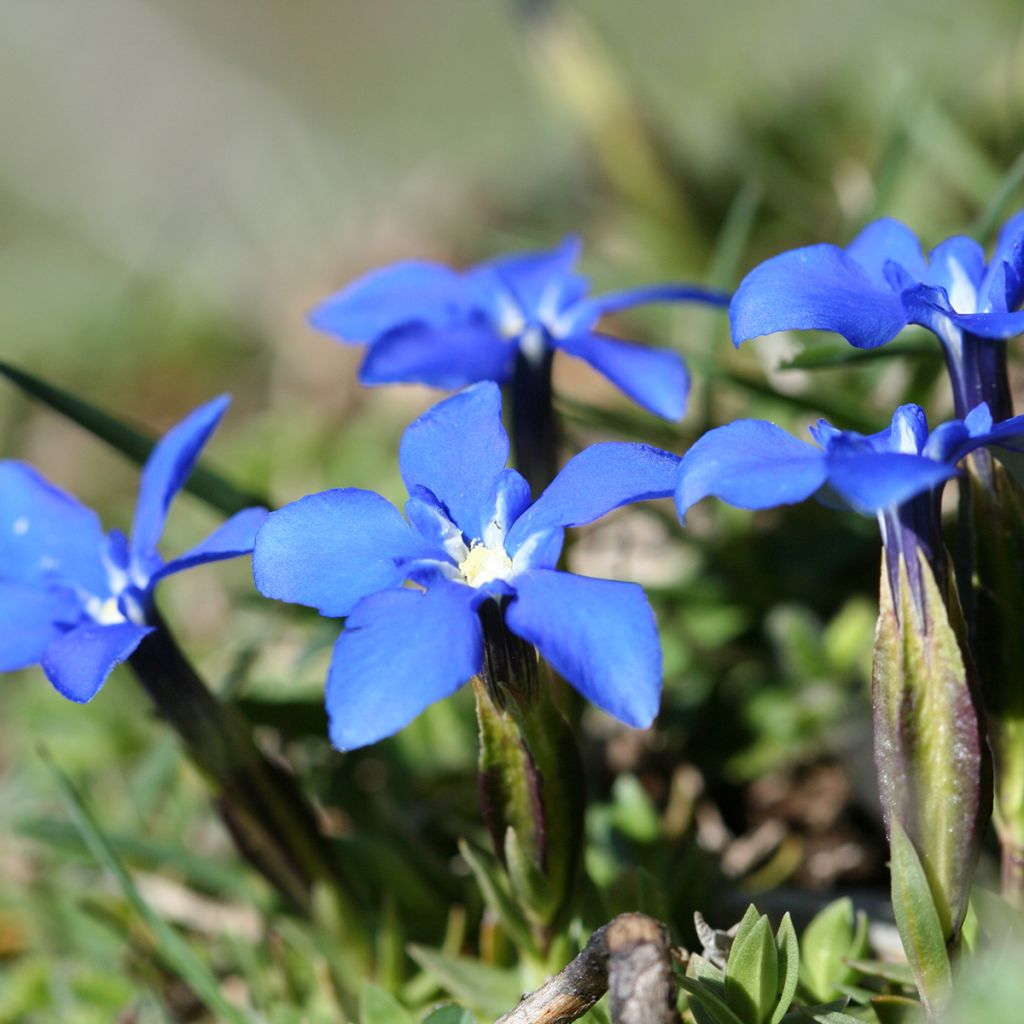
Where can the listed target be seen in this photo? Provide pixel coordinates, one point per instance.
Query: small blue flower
(77, 600)
(428, 324)
(470, 535)
(756, 465)
(881, 282)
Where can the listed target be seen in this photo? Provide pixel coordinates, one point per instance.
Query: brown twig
(630, 956)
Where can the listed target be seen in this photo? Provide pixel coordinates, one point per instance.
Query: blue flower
(881, 282)
(471, 535)
(78, 600)
(756, 465)
(428, 324)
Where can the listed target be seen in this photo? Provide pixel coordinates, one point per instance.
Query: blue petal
(231, 539)
(886, 241)
(401, 651)
(993, 326)
(446, 357)
(752, 464)
(592, 483)
(29, 623)
(816, 288)
(456, 450)
(599, 634)
(585, 313)
(654, 378)
(1003, 287)
(404, 293)
(871, 481)
(542, 283)
(45, 532)
(957, 266)
(79, 662)
(165, 473)
(330, 550)
(510, 497)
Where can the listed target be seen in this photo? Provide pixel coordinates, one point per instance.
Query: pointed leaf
(917, 921)
(450, 1014)
(789, 967)
(897, 1010)
(379, 1007)
(752, 972)
(830, 1017)
(713, 1005)
(206, 484)
(492, 991)
(494, 888)
(529, 886)
(827, 940)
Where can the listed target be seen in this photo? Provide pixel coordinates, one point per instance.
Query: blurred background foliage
(180, 181)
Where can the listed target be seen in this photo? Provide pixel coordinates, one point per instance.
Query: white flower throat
(484, 564)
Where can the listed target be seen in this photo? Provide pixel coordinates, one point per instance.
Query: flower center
(484, 564)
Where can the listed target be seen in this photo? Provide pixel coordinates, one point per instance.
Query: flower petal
(28, 623)
(330, 550)
(816, 288)
(401, 651)
(79, 662)
(886, 241)
(592, 483)
(456, 450)
(871, 481)
(541, 282)
(44, 532)
(450, 356)
(957, 265)
(655, 378)
(599, 634)
(165, 473)
(751, 464)
(412, 291)
(1003, 287)
(585, 313)
(231, 539)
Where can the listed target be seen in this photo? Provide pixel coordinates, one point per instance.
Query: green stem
(268, 816)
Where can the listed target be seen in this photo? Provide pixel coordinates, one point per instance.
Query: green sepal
(918, 921)
(930, 750)
(207, 485)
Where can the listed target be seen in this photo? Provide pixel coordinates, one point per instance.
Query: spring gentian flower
(471, 536)
(881, 282)
(895, 475)
(425, 323)
(78, 600)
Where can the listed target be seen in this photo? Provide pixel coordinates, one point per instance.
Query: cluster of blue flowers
(79, 601)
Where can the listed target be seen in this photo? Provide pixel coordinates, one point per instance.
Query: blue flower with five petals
(470, 535)
(427, 324)
(881, 282)
(78, 600)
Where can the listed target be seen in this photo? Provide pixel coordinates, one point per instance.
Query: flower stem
(535, 431)
(269, 818)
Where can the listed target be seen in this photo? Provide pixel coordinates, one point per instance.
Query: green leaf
(752, 972)
(895, 974)
(492, 991)
(529, 886)
(917, 921)
(897, 1010)
(789, 966)
(713, 1004)
(379, 1007)
(204, 483)
(830, 1017)
(827, 941)
(490, 877)
(449, 1014)
(179, 956)
(829, 355)
(995, 209)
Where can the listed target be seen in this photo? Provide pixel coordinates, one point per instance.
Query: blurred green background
(180, 181)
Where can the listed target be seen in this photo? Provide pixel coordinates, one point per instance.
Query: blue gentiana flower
(428, 324)
(881, 282)
(470, 535)
(78, 600)
(895, 475)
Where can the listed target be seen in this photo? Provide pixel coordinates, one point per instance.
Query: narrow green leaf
(172, 947)
(895, 974)
(379, 1007)
(206, 484)
(529, 886)
(830, 1017)
(711, 1002)
(449, 1014)
(493, 885)
(897, 1010)
(829, 356)
(752, 971)
(917, 921)
(789, 967)
(492, 991)
(995, 209)
(827, 940)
